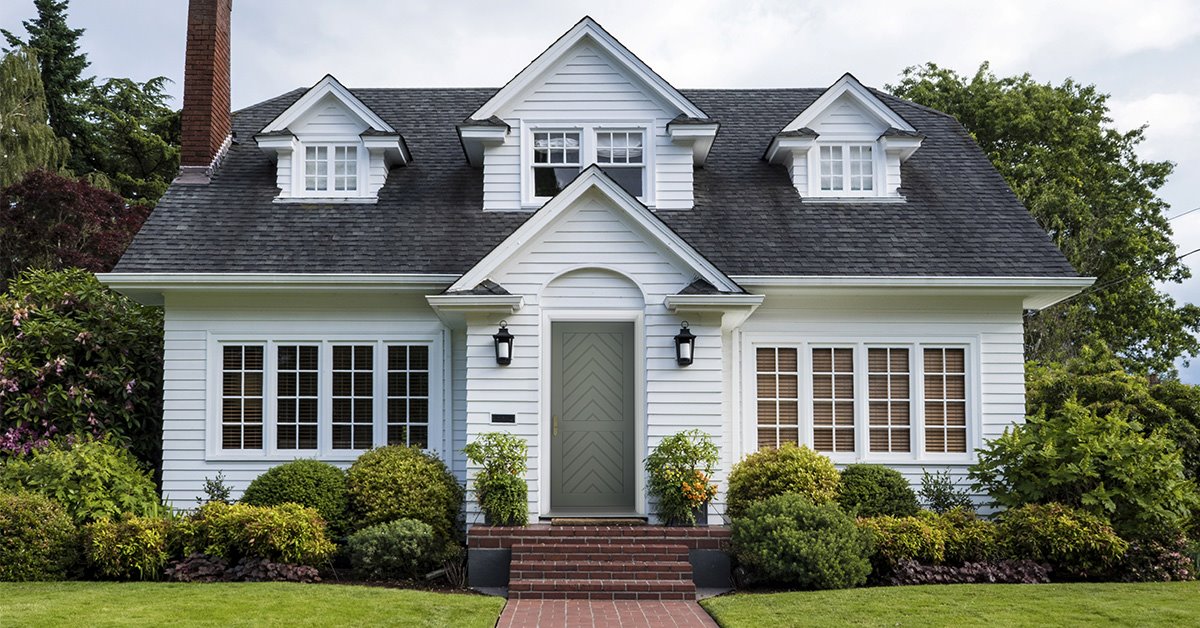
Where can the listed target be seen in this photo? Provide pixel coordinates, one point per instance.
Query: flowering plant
(679, 473)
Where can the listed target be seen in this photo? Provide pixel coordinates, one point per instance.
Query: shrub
(909, 572)
(871, 490)
(287, 533)
(77, 358)
(939, 494)
(968, 539)
(500, 484)
(678, 475)
(1105, 464)
(1077, 544)
(318, 485)
(391, 483)
(92, 479)
(772, 472)
(398, 550)
(895, 539)
(38, 539)
(1157, 561)
(789, 540)
(216, 490)
(131, 548)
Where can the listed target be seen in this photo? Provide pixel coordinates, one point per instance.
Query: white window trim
(878, 170)
(587, 153)
(362, 166)
(439, 377)
(804, 344)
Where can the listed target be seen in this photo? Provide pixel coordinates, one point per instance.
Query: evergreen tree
(26, 140)
(139, 134)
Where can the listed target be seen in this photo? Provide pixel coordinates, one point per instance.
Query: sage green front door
(591, 445)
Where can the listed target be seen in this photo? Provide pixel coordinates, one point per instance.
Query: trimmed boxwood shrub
(871, 490)
(789, 540)
(771, 472)
(1077, 544)
(287, 533)
(397, 550)
(131, 548)
(318, 485)
(38, 539)
(897, 539)
(391, 483)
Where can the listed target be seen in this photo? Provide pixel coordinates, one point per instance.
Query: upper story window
(331, 168)
(622, 157)
(555, 161)
(846, 168)
(557, 155)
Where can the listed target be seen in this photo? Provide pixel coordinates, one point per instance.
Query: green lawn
(1151, 604)
(236, 604)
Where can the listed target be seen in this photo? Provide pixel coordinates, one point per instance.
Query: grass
(1091, 605)
(237, 604)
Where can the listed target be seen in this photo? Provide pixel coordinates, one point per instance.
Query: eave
(149, 288)
(1036, 293)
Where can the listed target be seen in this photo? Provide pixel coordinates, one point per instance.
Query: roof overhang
(733, 308)
(453, 309)
(395, 150)
(847, 84)
(325, 87)
(905, 145)
(784, 144)
(700, 135)
(149, 288)
(475, 137)
(1036, 293)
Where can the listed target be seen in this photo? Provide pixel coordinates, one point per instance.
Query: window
(242, 397)
(319, 161)
(408, 396)
(833, 399)
(353, 397)
(846, 168)
(621, 156)
(297, 397)
(556, 161)
(888, 399)
(778, 397)
(945, 401)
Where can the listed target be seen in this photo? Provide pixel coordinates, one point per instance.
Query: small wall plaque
(504, 418)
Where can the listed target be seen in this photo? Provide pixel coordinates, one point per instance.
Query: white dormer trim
(324, 87)
(587, 28)
(593, 178)
(867, 99)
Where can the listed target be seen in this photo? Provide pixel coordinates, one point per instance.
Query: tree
(26, 140)
(50, 221)
(139, 136)
(1083, 182)
(62, 66)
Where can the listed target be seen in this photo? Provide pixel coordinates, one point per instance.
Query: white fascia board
(849, 85)
(272, 145)
(781, 146)
(701, 137)
(149, 287)
(589, 29)
(506, 303)
(733, 308)
(393, 148)
(1036, 292)
(906, 146)
(325, 86)
(474, 138)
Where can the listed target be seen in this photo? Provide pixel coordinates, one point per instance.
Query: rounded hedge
(391, 483)
(39, 539)
(404, 549)
(789, 540)
(131, 548)
(287, 533)
(771, 472)
(317, 485)
(871, 490)
(1077, 544)
(898, 539)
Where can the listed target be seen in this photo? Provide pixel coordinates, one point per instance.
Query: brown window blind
(242, 397)
(778, 397)
(945, 400)
(833, 399)
(296, 397)
(353, 397)
(888, 398)
(408, 395)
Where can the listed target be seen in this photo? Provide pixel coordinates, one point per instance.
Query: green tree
(62, 64)
(26, 140)
(139, 134)
(1084, 183)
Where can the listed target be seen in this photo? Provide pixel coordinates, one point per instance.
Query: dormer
(847, 145)
(330, 147)
(587, 100)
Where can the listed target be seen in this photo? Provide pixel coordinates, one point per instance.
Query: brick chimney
(206, 121)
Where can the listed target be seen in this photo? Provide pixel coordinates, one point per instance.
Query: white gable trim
(587, 28)
(324, 87)
(593, 177)
(868, 100)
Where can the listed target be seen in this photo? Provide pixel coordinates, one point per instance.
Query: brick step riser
(618, 566)
(569, 574)
(502, 543)
(590, 557)
(601, 586)
(599, 595)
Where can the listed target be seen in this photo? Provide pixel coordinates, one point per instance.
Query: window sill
(348, 455)
(854, 199)
(326, 200)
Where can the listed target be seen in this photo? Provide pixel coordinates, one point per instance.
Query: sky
(1144, 53)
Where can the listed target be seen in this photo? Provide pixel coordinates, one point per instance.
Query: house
(346, 268)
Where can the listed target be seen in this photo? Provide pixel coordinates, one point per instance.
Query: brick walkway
(603, 614)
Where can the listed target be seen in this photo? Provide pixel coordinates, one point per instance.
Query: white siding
(892, 175)
(846, 118)
(283, 173)
(328, 117)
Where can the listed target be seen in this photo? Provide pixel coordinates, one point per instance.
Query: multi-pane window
(345, 168)
(556, 161)
(316, 168)
(353, 396)
(242, 397)
(888, 399)
(621, 155)
(778, 397)
(408, 395)
(945, 400)
(833, 399)
(320, 162)
(846, 168)
(297, 397)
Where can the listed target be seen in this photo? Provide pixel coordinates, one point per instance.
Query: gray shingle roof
(960, 218)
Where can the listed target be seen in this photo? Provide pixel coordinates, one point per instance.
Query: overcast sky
(1145, 53)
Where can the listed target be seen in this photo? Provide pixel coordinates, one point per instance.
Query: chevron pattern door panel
(592, 453)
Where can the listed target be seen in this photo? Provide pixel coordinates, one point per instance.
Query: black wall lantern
(504, 342)
(685, 345)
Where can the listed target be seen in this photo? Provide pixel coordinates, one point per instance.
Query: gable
(316, 98)
(848, 91)
(329, 117)
(847, 117)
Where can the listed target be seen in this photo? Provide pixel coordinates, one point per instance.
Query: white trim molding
(1037, 292)
(327, 85)
(847, 84)
(148, 288)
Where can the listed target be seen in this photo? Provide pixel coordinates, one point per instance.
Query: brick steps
(601, 570)
(581, 552)
(599, 589)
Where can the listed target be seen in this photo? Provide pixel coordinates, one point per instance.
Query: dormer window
(320, 161)
(555, 161)
(846, 168)
(557, 155)
(621, 156)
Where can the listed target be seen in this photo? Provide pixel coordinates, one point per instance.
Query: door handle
(554, 429)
